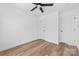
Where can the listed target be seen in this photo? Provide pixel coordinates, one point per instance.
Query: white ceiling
(63, 7)
(57, 6)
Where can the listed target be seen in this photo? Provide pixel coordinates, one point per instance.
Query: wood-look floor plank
(53, 49)
(41, 47)
(40, 51)
(68, 50)
(33, 48)
(21, 48)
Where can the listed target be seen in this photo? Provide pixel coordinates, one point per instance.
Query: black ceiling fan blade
(35, 3)
(41, 9)
(50, 4)
(33, 8)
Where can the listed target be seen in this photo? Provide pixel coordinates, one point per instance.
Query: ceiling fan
(41, 5)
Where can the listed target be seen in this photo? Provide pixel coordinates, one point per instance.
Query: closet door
(67, 28)
(70, 28)
(49, 27)
(76, 28)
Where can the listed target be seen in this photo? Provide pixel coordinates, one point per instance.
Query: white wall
(18, 27)
(15, 27)
(70, 27)
(49, 27)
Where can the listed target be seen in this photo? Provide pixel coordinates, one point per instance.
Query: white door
(70, 28)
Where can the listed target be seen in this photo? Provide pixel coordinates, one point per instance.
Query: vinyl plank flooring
(17, 50)
(67, 50)
(41, 47)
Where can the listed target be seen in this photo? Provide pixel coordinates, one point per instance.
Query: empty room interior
(39, 29)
